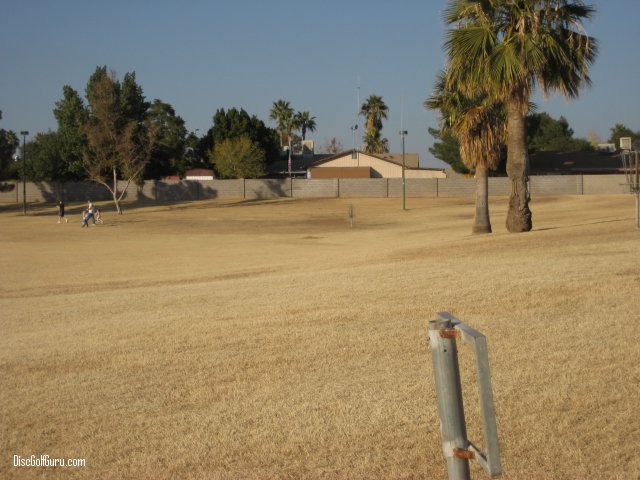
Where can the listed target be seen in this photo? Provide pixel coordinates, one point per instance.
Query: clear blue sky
(201, 55)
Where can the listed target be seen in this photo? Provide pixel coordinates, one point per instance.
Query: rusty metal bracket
(449, 333)
(461, 453)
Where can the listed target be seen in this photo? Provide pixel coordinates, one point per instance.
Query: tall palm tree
(479, 124)
(305, 122)
(510, 47)
(282, 113)
(374, 143)
(374, 110)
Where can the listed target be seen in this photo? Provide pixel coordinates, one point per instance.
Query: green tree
(8, 144)
(447, 149)
(235, 123)
(168, 157)
(133, 105)
(546, 134)
(509, 47)
(374, 110)
(619, 130)
(282, 113)
(119, 147)
(71, 115)
(238, 158)
(478, 122)
(45, 158)
(196, 150)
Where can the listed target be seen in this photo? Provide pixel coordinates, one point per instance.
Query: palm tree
(305, 122)
(509, 47)
(374, 110)
(282, 113)
(478, 123)
(374, 143)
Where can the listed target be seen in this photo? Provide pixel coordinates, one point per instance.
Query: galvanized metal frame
(631, 168)
(456, 446)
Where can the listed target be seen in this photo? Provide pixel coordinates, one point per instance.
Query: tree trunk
(519, 215)
(115, 192)
(482, 223)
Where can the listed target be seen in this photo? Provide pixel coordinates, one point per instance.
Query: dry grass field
(268, 340)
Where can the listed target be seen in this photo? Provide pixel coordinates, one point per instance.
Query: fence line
(168, 191)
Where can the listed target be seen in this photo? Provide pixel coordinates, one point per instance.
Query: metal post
(456, 446)
(449, 396)
(404, 181)
(638, 209)
(637, 188)
(24, 134)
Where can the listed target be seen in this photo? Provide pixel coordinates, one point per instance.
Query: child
(90, 214)
(98, 215)
(61, 213)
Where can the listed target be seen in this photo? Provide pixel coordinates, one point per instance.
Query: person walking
(91, 210)
(61, 213)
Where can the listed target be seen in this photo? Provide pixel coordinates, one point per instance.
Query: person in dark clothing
(61, 213)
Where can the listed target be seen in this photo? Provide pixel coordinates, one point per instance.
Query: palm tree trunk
(482, 223)
(519, 215)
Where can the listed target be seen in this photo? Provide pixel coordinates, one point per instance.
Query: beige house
(357, 164)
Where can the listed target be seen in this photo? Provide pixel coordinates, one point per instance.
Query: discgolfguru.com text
(47, 461)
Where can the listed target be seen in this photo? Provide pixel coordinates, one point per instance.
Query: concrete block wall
(604, 184)
(457, 187)
(363, 187)
(170, 191)
(416, 188)
(173, 191)
(223, 188)
(9, 192)
(318, 188)
(177, 190)
(269, 188)
(499, 186)
(52, 192)
(556, 185)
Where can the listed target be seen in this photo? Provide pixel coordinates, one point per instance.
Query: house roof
(199, 172)
(299, 163)
(581, 162)
(412, 160)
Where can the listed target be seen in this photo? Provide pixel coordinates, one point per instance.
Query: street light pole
(24, 134)
(353, 152)
(404, 180)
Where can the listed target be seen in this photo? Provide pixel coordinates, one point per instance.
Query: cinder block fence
(178, 191)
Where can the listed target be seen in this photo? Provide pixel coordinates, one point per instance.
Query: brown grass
(270, 340)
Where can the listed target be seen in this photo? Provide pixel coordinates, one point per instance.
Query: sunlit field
(270, 339)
